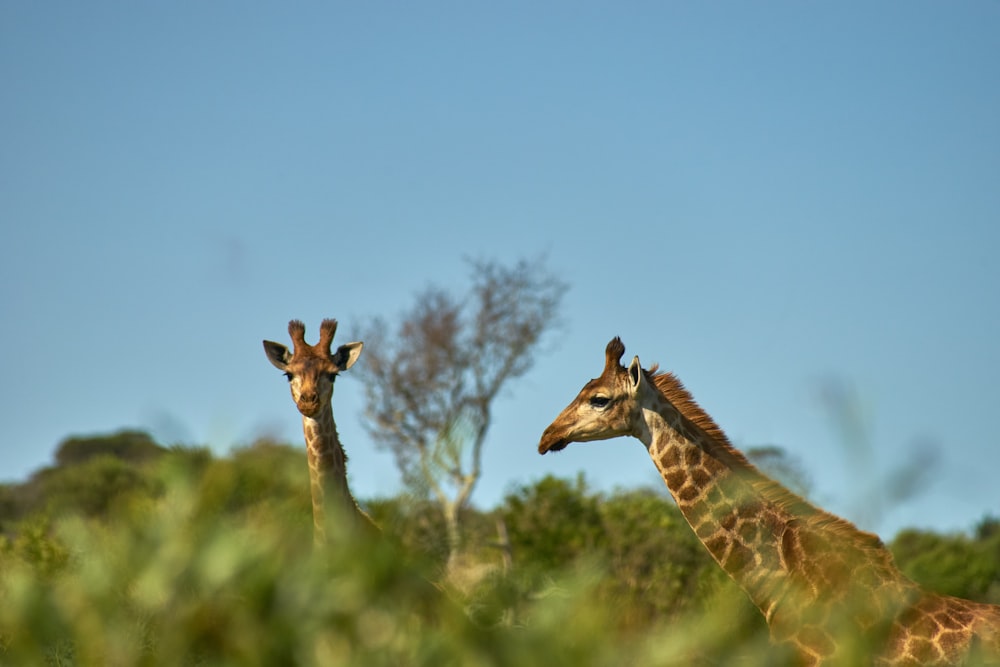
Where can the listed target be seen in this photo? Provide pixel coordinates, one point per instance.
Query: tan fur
(826, 588)
(311, 371)
(717, 444)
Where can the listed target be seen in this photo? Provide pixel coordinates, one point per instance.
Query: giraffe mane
(719, 446)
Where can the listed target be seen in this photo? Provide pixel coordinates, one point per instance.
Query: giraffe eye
(288, 376)
(331, 376)
(599, 401)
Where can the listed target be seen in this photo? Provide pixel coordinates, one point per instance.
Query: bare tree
(430, 383)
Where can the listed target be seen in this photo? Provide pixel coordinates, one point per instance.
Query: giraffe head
(607, 407)
(311, 369)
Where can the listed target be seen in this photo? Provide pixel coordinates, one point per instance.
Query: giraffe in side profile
(825, 588)
(311, 371)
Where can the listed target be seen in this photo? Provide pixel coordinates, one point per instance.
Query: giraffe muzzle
(550, 442)
(308, 408)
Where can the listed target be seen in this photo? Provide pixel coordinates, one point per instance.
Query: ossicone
(613, 352)
(326, 331)
(297, 331)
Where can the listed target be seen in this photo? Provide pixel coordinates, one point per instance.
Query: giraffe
(827, 590)
(311, 371)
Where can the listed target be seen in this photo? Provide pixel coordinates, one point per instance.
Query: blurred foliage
(126, 445)
(552, 522)
(967, 566)
(780, 466)
(185, 558)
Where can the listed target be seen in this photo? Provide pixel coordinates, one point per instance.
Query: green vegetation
(136, 554)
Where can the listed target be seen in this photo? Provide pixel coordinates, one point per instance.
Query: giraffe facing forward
(311, 371)
(825, 588)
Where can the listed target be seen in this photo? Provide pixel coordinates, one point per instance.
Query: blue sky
(764, 198)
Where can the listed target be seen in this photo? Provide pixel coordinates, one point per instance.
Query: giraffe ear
(635, 372)
(347, 354)
(277, 354)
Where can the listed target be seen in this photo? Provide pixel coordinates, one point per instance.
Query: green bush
(957, 564)
(173, 585)
(188, 559)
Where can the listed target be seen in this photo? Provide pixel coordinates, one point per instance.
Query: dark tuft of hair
(613, 352)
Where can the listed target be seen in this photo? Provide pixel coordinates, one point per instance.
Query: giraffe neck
(828, 590)
(327, 472)
(816, 578)
(741, 530)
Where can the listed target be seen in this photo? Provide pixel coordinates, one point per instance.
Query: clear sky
(766, 198)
